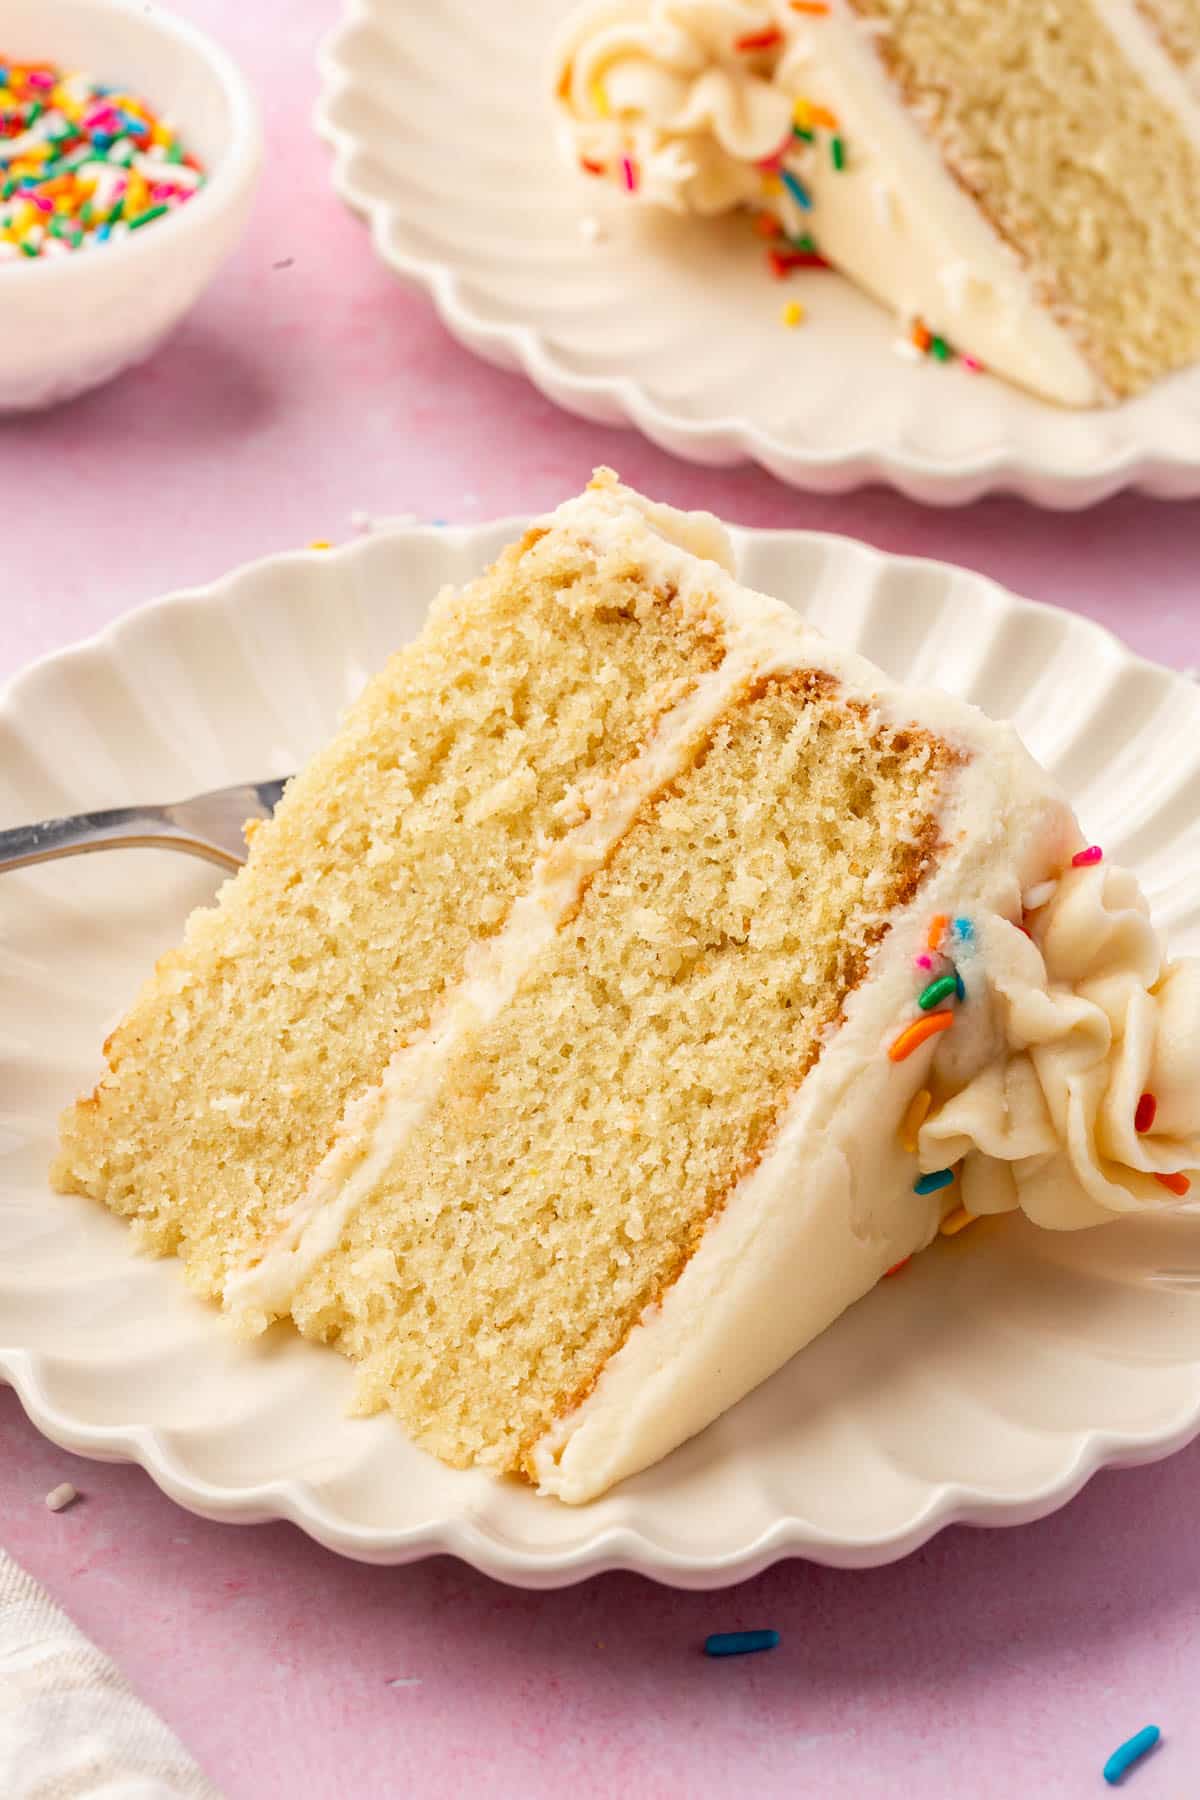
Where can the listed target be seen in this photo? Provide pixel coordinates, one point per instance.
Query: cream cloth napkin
(70, 1726)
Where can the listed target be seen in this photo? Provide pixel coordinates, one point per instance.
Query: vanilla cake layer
(576, 1149)
(399, 846)
(1058, 121)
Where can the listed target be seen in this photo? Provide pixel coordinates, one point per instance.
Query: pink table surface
(992, 1663)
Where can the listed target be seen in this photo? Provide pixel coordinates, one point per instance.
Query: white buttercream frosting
(1089, 1017)
(1034, 1087)
(658, 90)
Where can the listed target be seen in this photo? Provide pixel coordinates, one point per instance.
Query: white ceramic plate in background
(985, 1384)
(442, 138)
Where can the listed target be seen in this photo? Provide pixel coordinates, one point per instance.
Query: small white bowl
(72, 322)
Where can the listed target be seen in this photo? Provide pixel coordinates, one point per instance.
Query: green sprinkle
(175, 153)
(76, 238)
(151, 212)
(57, 225)
(9, 188)
(118, 212)
(35, 113)
(940, 348)
(837, 153)
(29, 249)
(802, 131)
(85, 213)
(805, 242)
(937, 990)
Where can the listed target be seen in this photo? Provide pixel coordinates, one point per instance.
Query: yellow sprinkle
(793, 313)
(320, 544)
(956, 1221)
(914, 1118)
(600, 98)
(771, 184)
(802, 115)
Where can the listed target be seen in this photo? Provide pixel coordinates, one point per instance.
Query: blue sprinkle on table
(739, 1643)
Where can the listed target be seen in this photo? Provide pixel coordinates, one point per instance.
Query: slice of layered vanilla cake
(1015, 180)
(633, 981)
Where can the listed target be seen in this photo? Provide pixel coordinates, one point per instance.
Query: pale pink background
(991, 1663)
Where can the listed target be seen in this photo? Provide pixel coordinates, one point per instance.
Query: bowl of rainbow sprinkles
(129, 150)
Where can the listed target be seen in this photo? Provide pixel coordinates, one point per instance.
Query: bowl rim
(225, 183)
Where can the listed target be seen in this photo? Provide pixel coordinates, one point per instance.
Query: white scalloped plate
(443, 141)
(985, 1384)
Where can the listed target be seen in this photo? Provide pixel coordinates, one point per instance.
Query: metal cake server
(209, 826)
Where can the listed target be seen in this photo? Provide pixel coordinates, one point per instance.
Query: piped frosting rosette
(662, 91)
(1099, 1036)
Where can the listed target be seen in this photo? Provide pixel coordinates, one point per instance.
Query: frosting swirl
(664, 83)
(1088, 1017)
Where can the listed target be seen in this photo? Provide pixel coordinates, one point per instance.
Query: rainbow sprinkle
(740, 1643)
(82, 164)
(941, 989)
(919, 339)
(759, 40)
(1130, 1752)
(1147, 1112)
(918, 1033)
(796, 189)
(1086, 859)
(780, 261)
(793, 313)
(955, 1222)
(629, 174)
(1178, 1185)
(934, 1183)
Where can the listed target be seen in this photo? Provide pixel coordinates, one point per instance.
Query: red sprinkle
(771, 163)
(783, 260)
(767, 226)
(759, 40)
(896, 1267)
(1147, 1109)
(1083, 859)
(629, 174)
(1174, 1184)
(593, 168)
